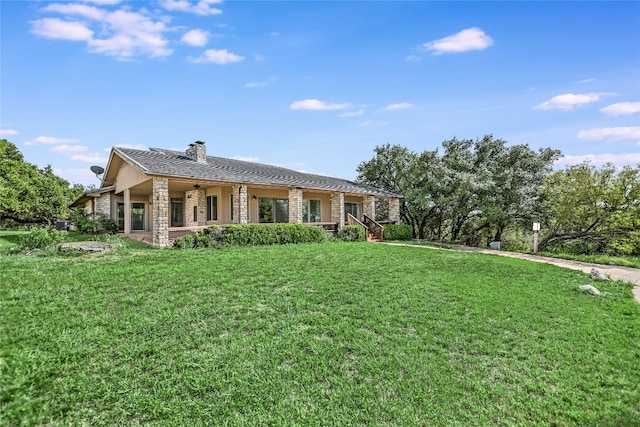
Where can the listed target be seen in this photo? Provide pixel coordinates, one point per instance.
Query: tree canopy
(595, 209)
(29, 194)
(472, 186)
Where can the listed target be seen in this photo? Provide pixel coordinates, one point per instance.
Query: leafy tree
(29, 194)
(399, 169)
(509, 193)
(473, 186)
(595, 209)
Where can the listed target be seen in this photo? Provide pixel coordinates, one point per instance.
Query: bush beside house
(397, 232)
(352, 233)
(251, 235)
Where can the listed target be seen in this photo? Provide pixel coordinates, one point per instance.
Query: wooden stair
(373, 229)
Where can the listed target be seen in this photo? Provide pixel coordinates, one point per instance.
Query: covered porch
(161, 209)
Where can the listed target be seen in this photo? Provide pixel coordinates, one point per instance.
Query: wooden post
(536, 229)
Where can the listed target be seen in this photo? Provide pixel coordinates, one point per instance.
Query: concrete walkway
(626, 274)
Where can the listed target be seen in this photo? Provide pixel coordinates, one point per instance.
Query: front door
(177, 212)
(137, 216)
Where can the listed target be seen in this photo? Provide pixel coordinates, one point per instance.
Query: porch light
(195, 187)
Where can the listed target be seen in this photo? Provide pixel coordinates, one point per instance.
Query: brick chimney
(197, 151)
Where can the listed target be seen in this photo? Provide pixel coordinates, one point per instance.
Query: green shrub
(106, 225)
(352, 233)
(513, 239)
(252, 235)
(270, 234)
(41, 238)
(183, 242)
(398, 232)
(577, 247)
(202, 239)
(85, 225)
(627, 245)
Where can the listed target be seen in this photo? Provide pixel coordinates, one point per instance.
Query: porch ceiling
(181, 185)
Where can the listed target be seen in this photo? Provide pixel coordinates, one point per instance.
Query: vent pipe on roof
(197, 151)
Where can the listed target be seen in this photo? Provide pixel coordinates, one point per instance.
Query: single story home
(159, 191)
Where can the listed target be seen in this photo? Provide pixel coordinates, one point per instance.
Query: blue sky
(315, 86)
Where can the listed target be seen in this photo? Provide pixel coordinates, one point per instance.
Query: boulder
(596, 274)
(590, 289)
(88, 246)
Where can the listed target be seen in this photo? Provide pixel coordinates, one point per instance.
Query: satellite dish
(98, 170)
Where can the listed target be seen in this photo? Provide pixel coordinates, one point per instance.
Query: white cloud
(219, 57)
(50, 140)
(90, 12)
(69, 149)
(317, 105)
(412, 58)
(621, 109)
(399, 106)
(247, 159)
(121, 33)
(352, 113)
(611, 134)
(587, 81)
(104, 2)
(600, 159)
(202, 7)
(54, 28)
(469, 39)
(256, 84)
(195, 38)
(90, 158)
(251, 85)
(6, 132)
(373, 123)
(569, 101)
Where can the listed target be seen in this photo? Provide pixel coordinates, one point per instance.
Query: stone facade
(394, 211)
(195, 208)
(369, 206)
(296, 205)
(160, 212)
(337, 209)
(103, 204)
(240, 205)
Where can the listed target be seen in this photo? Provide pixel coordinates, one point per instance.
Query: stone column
(369, 206)
(103, 205)
(394, 210)
(127, 211)
(160, 227)
(296, 206)
(195, 199)
(240, 205)
(337, 209)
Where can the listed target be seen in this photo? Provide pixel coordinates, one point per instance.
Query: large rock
(88, 246)
(596, 274)
(590, 289)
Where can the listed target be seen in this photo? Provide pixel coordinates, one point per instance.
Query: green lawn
(328, 334)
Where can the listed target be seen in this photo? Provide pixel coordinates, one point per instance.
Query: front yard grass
(324, 334)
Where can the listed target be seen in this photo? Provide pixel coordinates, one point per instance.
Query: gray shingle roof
(177, 164)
